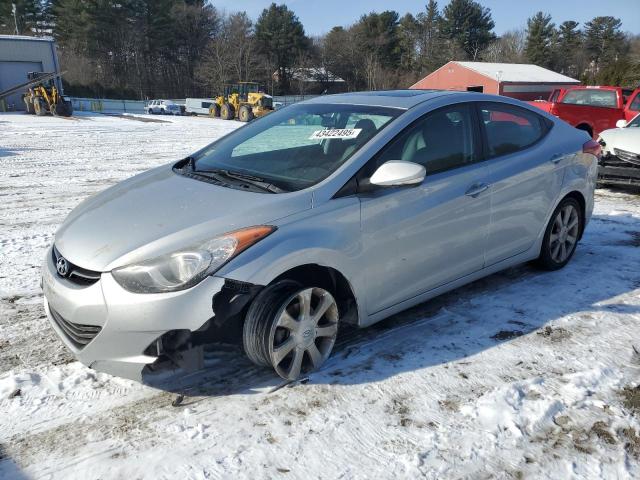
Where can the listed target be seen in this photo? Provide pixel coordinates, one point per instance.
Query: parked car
(592, 109)
(620, 162)
(162, 107)
(198, 106)
(341, 209)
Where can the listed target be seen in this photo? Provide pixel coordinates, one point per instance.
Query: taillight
(592, 147)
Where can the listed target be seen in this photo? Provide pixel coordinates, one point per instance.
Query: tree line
(179, 48)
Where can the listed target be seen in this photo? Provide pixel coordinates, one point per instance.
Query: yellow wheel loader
(43, 97)
(244, 101)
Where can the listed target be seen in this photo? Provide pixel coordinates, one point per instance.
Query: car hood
(623, 138)
(159, 212)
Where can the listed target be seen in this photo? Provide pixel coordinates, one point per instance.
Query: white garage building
(20, 55)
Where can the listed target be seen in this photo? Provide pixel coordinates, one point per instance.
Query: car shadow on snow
(9, 470)
(457, 325)
(14, 152)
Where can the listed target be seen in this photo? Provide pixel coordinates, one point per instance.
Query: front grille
(626, 156)
(77, 275)
(79, 335)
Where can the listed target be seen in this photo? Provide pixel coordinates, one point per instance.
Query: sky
(319, 17)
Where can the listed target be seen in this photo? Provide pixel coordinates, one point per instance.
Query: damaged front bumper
(616, 171)
(121, 333)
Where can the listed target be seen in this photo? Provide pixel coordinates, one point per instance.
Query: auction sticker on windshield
(344, 133)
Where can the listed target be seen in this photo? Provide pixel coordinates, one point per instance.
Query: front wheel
(291, 328)
(227, 112)
(561, 236)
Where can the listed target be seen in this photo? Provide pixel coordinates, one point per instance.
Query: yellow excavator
(244, 101)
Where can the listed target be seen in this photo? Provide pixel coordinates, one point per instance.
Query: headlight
(185, 268)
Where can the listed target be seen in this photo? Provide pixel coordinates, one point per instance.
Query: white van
(198, 106)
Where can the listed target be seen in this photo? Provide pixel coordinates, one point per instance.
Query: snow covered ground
(523, 374)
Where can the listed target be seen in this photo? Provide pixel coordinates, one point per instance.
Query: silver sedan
(342, 209)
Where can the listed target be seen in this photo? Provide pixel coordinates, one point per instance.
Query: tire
(585, 128)
(28, 101)
(279, 331)
(39, 107)
(214, 111)
(245, 114)
(227, 112)
(566, 223)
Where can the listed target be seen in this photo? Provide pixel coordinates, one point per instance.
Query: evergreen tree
(468, 26)
(540, 37)
(570, 55)
(604, 41)
(430, 42)
(280, 37)
(30, 17)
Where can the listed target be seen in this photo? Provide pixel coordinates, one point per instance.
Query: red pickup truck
(592, 109)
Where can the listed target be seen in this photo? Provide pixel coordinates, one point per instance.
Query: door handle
(476, 189)
(556, 157)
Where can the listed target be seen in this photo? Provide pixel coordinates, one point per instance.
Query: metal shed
(522, 81)
(20, 55)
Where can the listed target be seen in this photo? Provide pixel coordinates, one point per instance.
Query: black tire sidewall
(545, 260)
(261, 315)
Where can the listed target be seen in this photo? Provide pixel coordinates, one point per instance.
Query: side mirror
(621, 123)
(398, 172)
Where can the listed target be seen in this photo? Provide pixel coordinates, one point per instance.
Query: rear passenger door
(526, 176)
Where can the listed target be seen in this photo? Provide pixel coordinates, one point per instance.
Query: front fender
(328, 235)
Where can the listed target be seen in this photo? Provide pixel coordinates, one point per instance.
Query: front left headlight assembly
(188, 267)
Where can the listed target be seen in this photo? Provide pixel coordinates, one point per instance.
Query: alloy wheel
(304, 332)
(564, 233)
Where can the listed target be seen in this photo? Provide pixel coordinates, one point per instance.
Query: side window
(441, 140)
(510, 128)
(635, 103)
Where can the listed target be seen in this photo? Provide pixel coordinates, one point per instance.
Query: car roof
(404, 99)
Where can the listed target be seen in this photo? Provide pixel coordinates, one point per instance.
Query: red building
(522, 81)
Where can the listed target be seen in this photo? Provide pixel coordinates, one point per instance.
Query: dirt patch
(140, 119)
(449, 404)
(601, 430)
(633, 241)
(399, 407)
(631, 398)
(507, 334)
(632, 441)
(556, 334)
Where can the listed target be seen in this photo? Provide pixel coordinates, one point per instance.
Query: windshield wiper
(243, 177)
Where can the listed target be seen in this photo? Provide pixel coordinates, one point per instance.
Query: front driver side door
(418, 238)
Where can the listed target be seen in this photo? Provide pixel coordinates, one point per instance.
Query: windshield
(298, 146)
(635, 123)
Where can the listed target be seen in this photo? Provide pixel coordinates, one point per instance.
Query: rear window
(592, 97)
(510, 129)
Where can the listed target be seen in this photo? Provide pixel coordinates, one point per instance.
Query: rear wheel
(214, 110)
(227, 112)
(561, 236)
(245, 114)
(291, 328)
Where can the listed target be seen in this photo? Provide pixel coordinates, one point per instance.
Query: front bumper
(127, 322)
(612, 170)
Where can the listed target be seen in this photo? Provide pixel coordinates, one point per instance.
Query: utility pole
(15, 17)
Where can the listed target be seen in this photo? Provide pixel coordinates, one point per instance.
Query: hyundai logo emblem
(62, 267)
